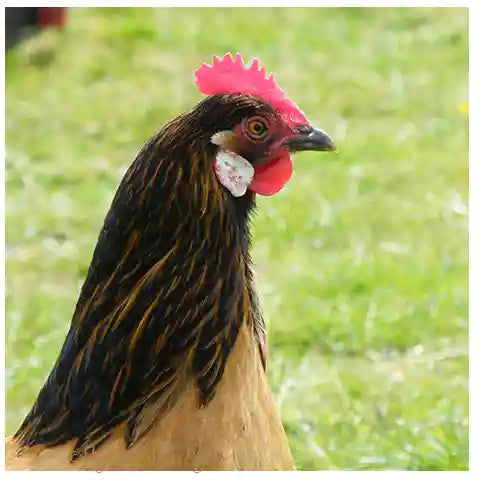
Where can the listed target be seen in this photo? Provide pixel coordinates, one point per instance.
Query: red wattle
(271, 177)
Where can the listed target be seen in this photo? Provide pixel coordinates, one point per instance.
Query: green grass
(362, 259)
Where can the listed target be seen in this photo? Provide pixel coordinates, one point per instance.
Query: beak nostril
(303, 128)
(310, 139)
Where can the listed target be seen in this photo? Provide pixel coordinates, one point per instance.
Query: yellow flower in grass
(462, 107)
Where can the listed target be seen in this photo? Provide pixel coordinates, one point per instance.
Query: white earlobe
(233, 172)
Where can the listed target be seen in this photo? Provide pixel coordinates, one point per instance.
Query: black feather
(163, 287)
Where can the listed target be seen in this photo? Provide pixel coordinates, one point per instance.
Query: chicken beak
(310, 139)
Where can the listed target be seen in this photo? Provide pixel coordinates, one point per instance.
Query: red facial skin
(274, 167)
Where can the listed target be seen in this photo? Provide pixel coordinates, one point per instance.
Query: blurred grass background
(362, 259)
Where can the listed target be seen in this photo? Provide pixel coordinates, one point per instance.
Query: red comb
(230, 75)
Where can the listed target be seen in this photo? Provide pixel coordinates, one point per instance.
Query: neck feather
(167, 291)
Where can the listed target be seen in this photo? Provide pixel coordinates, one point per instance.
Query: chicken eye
(257, 129)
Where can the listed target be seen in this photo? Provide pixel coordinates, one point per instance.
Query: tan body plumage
(239, 430)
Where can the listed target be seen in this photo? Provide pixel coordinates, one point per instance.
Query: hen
(163, 367)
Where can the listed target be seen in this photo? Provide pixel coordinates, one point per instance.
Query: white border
(474, 239)
(331, 475)
(240, 3)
